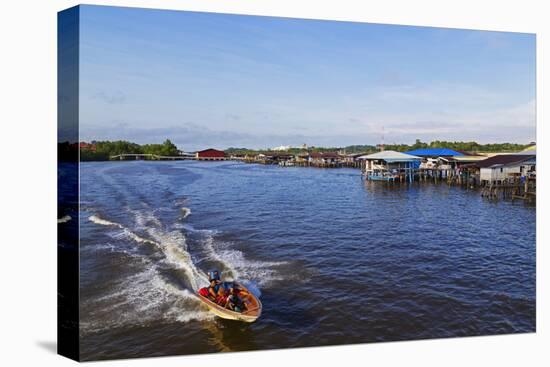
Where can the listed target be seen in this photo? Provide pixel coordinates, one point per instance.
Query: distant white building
(281, 148)
(284, 148)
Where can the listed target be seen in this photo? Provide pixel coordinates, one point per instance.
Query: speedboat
(251, 314)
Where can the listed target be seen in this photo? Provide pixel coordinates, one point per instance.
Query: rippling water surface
(334, 259)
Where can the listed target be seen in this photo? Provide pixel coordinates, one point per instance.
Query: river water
(334, 259)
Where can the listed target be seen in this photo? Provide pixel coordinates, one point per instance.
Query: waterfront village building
(301, 159)
(461, 169)
(459, 162)
(352, 159)
(274, 157)
(210, 155)
(431, 157)
(282, 157)
(449, 163)
(86, 146)
(325, 159)
(506, 166)
(187, 154)
(389, 165)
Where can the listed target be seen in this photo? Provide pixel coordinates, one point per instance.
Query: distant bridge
(154, 157)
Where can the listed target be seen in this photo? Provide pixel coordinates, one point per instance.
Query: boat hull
(253, 313)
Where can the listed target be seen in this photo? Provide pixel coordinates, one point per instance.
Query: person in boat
(214, 275)
(241, 292)
(212, 290)
(234, 301)
(221, 297)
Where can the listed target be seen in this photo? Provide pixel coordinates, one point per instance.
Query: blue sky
(218, 80)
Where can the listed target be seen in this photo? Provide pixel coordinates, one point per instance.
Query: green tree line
(106, 149)
(470, 146)
(466, 146)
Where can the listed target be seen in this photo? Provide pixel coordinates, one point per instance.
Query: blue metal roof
(435, 152)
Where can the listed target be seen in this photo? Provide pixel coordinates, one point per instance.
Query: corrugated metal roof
(466, 158)
(504, 159)
(391, 156)
(355, 155)
(435, 152)
(326, 155)
(210, 150)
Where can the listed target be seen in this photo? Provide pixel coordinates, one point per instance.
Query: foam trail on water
(237, 266)
(97, 220)
(185, 212)
(141, 299)
(144, 221)
(64, 219)
(147, 296)
(172, 245)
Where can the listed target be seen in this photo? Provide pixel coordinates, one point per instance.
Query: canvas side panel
(67, 184)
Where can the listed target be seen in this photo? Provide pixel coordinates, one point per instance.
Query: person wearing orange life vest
(212, 290)
(235, 300)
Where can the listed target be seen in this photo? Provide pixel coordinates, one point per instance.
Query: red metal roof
(211, 153)
(84, 145)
